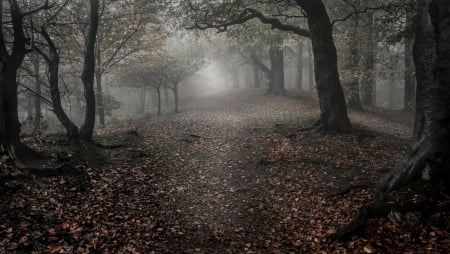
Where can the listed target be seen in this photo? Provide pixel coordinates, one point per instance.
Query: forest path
(233, 166)
(237, 172)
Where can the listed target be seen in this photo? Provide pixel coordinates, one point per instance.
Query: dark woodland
(241, 126)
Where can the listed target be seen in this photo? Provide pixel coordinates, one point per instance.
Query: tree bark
(311, 69)
(37, 97)
(410, 81)
(368, 83)
(10, 62)
(53, 61)
(99, 92)
(299, 77)
(429, 157)
(87, 76)
(353, 97)
(158, 99)
(333, 108)
(276, 80)
(175, 95)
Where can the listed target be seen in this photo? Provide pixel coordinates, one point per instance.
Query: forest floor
(238, 172)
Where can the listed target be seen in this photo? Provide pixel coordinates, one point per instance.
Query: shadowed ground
(235, 172)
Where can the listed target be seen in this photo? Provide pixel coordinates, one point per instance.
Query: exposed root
(379, 210)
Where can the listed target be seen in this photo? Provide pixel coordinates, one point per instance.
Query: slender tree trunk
(299, 80)
(87, 129)
(158, 99)
(99, 93)
(331, 97)
(37, 97)
(277, 68)
(391, 102)
(143, 99)
(353, 99)
(53, 61)
(311, 69)
(410, 81)
(175, 95)
(368, 83)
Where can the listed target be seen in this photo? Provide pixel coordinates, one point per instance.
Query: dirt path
(233, 173)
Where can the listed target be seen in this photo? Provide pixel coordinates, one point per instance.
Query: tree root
(379, 210)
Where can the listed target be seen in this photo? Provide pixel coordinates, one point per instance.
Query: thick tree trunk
(276, 85)
(368, 83)
(331, 97)
(410, 81)
(10, 63)
(2, 104)
(87, 129)
(37, 97)
(299, 76)
(430, 153)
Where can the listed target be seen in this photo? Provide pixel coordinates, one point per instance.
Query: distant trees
(204, 15)
(167, 70)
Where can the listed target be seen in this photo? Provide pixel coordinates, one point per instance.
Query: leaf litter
(239, 172)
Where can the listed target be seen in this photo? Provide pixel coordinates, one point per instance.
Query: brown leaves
(243, 185)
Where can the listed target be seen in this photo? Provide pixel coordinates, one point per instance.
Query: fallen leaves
(242, 176)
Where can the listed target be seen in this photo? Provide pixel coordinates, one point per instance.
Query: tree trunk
(87, 129)
(10, 63)
(331, 97)
(299, 80)
(429, 157)
(158, 99)
(143, 99)
(311, 69)
(368, 83)
(256, 76)
(391, 101)
(53, 66)
(353, 99)
(175, 96)
(37, 97)
(410, 81)
(276, 83)
(99, 93)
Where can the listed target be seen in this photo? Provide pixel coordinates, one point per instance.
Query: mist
(182, 126)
